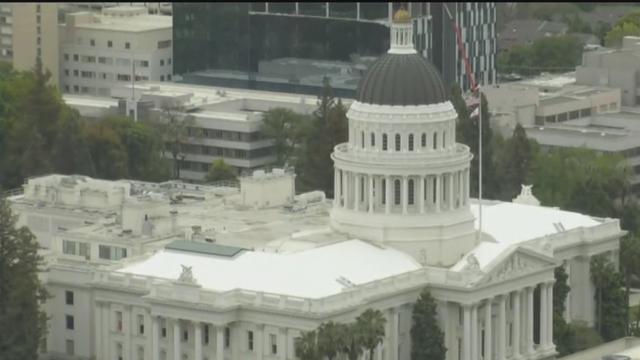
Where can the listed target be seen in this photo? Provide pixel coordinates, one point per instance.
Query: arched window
(384, 142)
(444, 139)
(423, 141)
(410, 142)
(398, 143)
(362, 139)
(411, 192)
(396, 192)
(383, 191)
(435, 141)
(373, 139)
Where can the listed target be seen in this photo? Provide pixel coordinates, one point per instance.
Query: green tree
(549, 54)
(22, 295)
(285, 127)
(610, 299)
(629, 25)
(219, 171)
(331, 339)
(371, 328)
(109, 155)
(71, 154)
(306, 346)
(427, 339)
(516, 159)
(629, 265)
(563, 334)
(328, 128)
(353, 341)
(173, 126)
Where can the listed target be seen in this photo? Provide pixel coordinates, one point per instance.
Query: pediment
(515, 263)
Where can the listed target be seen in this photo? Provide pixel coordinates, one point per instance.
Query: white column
(99, 334)
(345, 188)
(219, 342)
(371, 199)
(466, 335)
(550, 314)
(282, 341)
(356, 196)
(438, 180)
(387, 205)
(405, 195)
(336, 186)
(421, 191)
(176, 340)
(391, 335)
(197, 340)
(474, 331)
(106, 327)
(155, 336)
(260, 342)
(487, 331)
(543, 315)
(516, 325)
(502, 328)
(451, 192)
(529, 320)
(394, 333)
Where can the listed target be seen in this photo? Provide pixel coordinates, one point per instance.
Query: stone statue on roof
(187, 275)
(526, 196)
(472, 263)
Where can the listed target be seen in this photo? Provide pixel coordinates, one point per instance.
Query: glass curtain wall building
(291, 47)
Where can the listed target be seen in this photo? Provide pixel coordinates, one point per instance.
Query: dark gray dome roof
(402, 79)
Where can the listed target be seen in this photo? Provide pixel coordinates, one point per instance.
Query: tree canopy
(549, 54)
(220, 171)
(22, 295)
(629, 25)
(427, 339)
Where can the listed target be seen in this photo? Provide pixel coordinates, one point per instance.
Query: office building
(234, 45)
(29, 31)
(102, 52)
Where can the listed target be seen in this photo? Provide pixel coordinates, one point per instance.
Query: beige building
(98, 51)
(27, 31)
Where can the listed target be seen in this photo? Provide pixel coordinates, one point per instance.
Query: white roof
(311, 273)
(509, 224)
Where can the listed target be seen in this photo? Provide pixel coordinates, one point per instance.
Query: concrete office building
(98, 51)
(29, 31)
(227, 122)
(177, 271)
(617, 68)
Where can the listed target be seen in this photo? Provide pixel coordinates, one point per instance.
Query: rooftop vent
(559, 227)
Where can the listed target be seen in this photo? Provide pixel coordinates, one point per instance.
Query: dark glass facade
(291, 46)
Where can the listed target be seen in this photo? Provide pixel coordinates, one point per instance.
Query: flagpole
(480, 165)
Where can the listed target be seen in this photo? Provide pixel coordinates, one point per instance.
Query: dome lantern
(402, 33)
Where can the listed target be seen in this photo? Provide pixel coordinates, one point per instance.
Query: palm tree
(306, 346)
(371, 329)
(353, 341)
(331, 339)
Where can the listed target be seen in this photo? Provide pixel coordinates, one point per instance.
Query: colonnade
(401, 194)
(515, 336)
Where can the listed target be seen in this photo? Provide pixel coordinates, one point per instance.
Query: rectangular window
(70, 323)
(70, 347)
(164, 328)
(119, 351)
(168, 77)
(119, 321)
(205, 335)
(274, 343)
(227, 337)
(124, 77)
(92, 42)
(161, 77)
(140, 324)
(127, 45)
(185, 335)
(68, 247)
(169, 61)
(250, 340)
(164, 44)
(104, 252)
(75, 57)
(109, 43)
(68, 297)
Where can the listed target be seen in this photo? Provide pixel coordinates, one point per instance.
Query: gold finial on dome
(402, 16)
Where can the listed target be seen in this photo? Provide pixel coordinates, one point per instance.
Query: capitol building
(162, 271)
